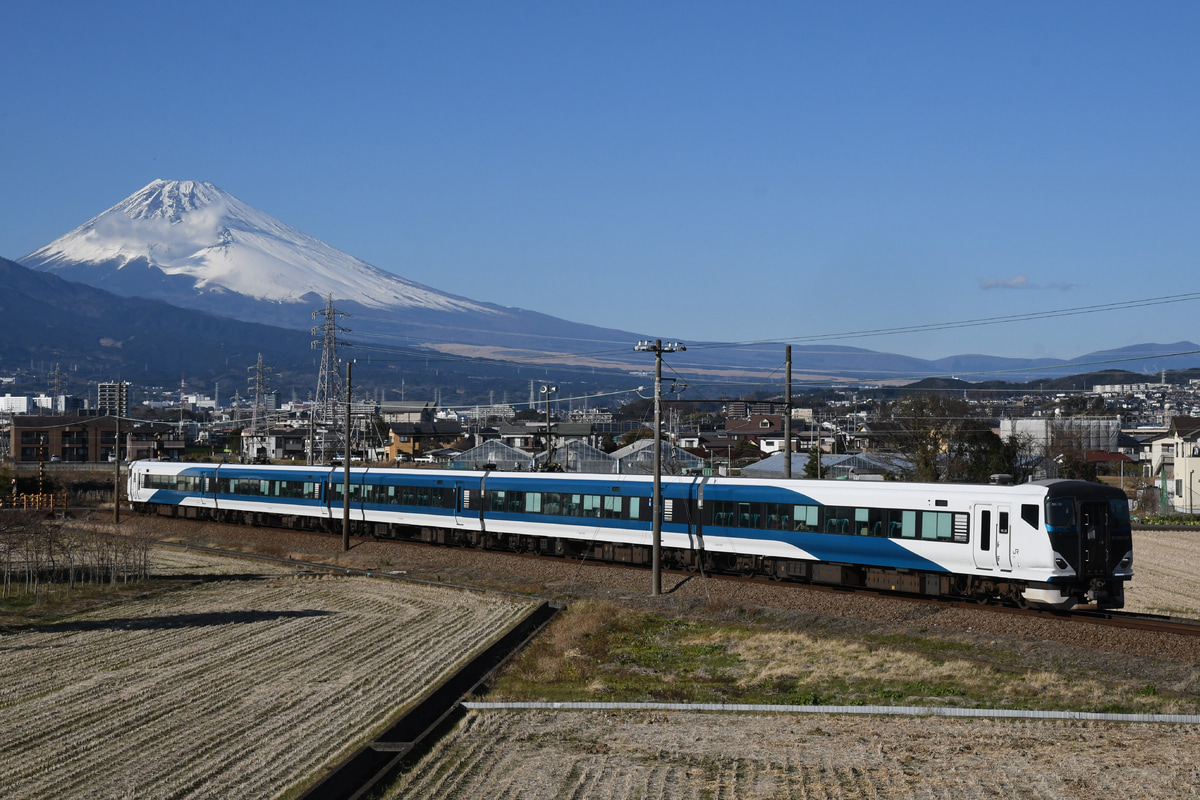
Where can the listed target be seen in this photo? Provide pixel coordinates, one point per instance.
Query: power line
(969, 323)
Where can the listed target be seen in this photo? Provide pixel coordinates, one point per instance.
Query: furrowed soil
(243, 680)
(710, 640)
(542, 754)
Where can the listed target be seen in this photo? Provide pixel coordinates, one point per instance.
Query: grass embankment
(600, 652)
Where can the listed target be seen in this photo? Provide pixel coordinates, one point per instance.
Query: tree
(947, 443)
(812, 468)
(746, 450)
(635, 435)
(1073, 465)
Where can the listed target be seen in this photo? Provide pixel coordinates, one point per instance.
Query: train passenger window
(837, 519)
(879, 522)
(591, 505)
(936, 525)
(551, 503)
(779, 517)
(1029, 513)
(1060, 513)
(612, 507)
(744, 516)
(533, 502)
(806, 517)
(497, 501)
(908, 524)
(636, 504)
(862, 522)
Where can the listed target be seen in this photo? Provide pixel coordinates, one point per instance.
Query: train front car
(1089, 532)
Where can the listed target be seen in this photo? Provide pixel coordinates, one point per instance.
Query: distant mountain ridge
(105, 337)
(198, 247)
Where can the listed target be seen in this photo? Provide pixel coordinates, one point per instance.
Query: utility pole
(658, 348)
(312, 426)
(787, 417)
(346, 473)
(117, 475)
(547, 389)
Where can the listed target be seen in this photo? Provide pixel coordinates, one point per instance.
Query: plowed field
(669, 756)
(238, 687)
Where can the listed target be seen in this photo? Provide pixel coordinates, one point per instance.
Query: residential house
(419, 440)
(1183, 483)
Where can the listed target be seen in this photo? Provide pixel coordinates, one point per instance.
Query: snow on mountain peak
(198, 231)
(168, 200)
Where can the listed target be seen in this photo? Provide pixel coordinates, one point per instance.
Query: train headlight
(1127, 561)
(1060, 562)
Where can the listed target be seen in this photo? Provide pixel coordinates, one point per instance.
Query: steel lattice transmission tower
(258, 384)
(329, 380)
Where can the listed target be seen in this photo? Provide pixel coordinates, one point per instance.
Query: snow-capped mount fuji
(198, 247)
(193, 244)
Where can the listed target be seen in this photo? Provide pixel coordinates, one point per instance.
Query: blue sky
(701, 171)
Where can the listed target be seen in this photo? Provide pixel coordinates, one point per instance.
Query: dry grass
(598, 651)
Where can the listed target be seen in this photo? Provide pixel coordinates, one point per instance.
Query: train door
(985, 537)
(1093, 537)
(1003, 539)
(461, 501)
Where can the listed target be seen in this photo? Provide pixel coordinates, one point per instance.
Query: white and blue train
(1048, 543)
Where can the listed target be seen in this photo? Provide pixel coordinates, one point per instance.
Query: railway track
(1117, 619)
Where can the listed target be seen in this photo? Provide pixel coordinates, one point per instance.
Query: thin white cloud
(1022, 282)
(1019, 282)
